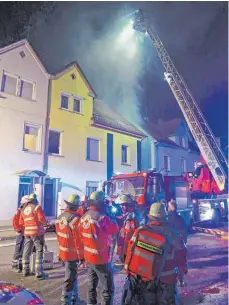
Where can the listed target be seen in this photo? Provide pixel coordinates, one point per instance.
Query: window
(92, 149)
(124, 151)
(182, 141)
(167, 163)
(183, 165)
(32, 138)
(77, 105)
(54, 142)
(9, 84)
(26, 90)
(91, 186)
(64, 101)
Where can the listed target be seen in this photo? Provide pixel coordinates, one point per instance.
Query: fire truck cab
(153, 186)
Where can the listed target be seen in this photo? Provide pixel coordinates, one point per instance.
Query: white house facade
(23, 110)
(170, 148)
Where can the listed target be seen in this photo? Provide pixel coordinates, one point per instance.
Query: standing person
(70, 249)
(95, 229)
(33, 220)
(130, 221)
(151, 262)
(177, 222)
(143, 208)
(18, 251)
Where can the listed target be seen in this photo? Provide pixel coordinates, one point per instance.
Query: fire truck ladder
(199, 128)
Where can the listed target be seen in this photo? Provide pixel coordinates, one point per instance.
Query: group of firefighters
(150, 242)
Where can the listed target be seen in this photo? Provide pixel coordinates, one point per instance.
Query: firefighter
(33, 220)
(18, 251)
(130, 221)
(151, 262)
(83, 206)
(177, 222)
(70, 249)
(95, 229)
(143, 208)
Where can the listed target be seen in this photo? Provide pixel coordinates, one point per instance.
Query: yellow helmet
(32, 198)
(73, 200)
(125, 199)
(98, 195)
(157, 210)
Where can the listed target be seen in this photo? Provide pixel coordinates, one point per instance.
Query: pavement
(206, 280)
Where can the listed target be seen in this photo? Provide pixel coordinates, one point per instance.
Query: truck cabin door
(155, 188)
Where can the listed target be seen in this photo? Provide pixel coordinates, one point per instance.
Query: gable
(21, 56)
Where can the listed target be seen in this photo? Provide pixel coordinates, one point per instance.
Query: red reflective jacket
(70, 245)
(17, 227)
(172, 260)
(130, 224)
(33, 220)
(95, 229)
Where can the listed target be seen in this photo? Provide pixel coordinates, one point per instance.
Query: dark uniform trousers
(138, 292)
(18, 252)
(104, 275)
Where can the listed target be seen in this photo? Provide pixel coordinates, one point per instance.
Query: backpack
(147, 253)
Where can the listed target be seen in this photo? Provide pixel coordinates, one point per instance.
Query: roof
(69, 67)
(21, 43)
(105, 117)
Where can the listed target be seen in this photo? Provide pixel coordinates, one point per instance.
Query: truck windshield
(130, 185)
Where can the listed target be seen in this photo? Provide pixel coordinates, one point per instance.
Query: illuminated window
(77, 105)
(93, 149)
(125, 154)
(32, 138)
(167, 163)
(91, 186)
(64, 101)
(54, 142)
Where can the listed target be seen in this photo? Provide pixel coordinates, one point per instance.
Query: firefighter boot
(42, 276)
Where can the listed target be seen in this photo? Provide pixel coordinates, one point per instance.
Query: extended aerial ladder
(199, 128)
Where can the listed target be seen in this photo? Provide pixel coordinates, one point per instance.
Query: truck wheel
(217, 219)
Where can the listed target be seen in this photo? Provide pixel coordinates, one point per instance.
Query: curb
(218, 233)
(7, 238)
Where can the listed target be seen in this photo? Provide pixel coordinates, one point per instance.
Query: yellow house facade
(87, 141)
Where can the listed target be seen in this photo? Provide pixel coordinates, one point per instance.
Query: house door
(49, 198)
(25, 188)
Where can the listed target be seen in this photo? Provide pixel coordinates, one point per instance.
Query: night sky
(194, 33)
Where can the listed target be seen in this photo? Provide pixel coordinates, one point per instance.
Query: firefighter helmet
(157, 210)
(73, 201)
(32, 198)
(125, 199)
(24, 199)
(98, 195)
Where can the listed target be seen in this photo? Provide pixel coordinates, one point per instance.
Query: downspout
(45, 150)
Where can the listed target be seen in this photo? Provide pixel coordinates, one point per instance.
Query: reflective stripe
(150, 240)
(67, 249)
(89, 235)
(133, 239)
(29, 218)
(169, 272)
(63, 235)
(125, 266)
(91, 250)
(144, 255)
(31, 227)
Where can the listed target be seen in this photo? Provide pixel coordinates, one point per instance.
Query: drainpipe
(45, 149)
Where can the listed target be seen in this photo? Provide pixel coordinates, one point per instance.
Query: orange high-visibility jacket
(95, 229)
(70, 244)
(170, 269)
(33, 220)
(15, 221)
(130, 224)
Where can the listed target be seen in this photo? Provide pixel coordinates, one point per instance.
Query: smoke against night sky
(194, 33)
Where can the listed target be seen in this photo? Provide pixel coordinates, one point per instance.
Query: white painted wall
(14, 111)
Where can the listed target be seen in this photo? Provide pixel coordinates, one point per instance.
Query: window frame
(40, 132)
(127, 155)
(169, 163)
(99, 149)
(60, 142)
(80, 100)
(33, 90)
(183, 165)
(4, 73)
(66, 95)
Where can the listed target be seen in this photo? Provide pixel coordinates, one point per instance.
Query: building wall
(72, 165)
(14, 112)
